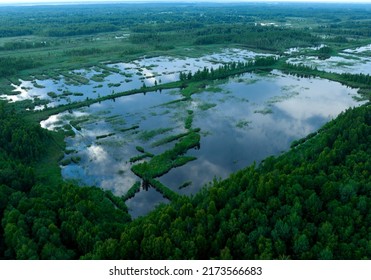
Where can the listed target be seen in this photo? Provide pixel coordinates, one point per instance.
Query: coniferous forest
(311, 202)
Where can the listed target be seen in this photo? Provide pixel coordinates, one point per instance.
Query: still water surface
(242, 120)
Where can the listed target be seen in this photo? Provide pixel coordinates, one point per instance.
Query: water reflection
(246, 119)
(338, 64)
(78, 85)
(272, 114)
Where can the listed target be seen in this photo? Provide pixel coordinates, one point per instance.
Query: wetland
(185, 131)
(241, 120)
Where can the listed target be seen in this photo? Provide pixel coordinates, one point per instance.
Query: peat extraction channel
(241, 120)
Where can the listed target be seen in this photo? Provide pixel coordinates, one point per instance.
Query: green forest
(311, 202)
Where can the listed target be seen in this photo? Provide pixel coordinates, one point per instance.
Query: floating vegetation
(243, 123)
(76, 78)
(115, 120)
(67, 93)
(114, 84)
(214, 89)
(264, 111)
(280, 98)
(108, 69)
(149, 134)
(98, 78)
(52, 94)
(76, 159)
(36, 85)
(206, 106)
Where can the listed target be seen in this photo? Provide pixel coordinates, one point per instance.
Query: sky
(80, 1)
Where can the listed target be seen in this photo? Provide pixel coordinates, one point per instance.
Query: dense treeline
(10, 66)
(357, 78)
(56, 34)
(262, 37)
(255, 36)
(19, 45)
(14, 31)
(228, 69)
(79, 29)
(310, 203)
(47, 221)
(20, 144)
(42, 20)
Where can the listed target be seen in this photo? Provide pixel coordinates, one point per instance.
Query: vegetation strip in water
(309, 203)
(185, 185)
(134, 127)
(165, 191)
(131, 192)
(163, 163)
(169, 139)
(361, 81)
(105, 136)
(149, 134)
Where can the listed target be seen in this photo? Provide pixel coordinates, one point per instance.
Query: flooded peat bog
(241, 120)
(354, 61)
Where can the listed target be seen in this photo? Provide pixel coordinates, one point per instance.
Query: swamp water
(105, 79)
(242, 120)
(353, 61)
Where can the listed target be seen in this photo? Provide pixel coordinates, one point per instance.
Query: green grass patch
(214, 89)
(189, 120)
(149, 134)
(140, 157)
(109, 69)
(169, 139)
(99, 77)
(76, 78)
(163, 163)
